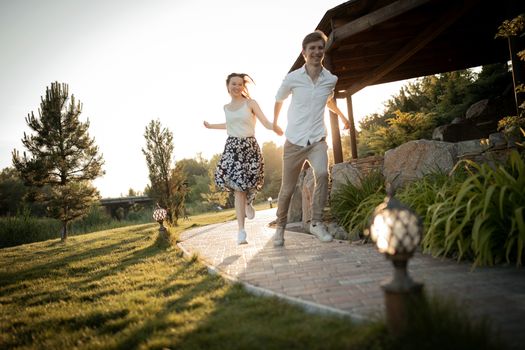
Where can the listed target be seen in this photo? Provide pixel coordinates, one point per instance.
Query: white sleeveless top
(241, 122)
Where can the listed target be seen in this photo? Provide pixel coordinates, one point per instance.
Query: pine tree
(159, 153)
(62, 156)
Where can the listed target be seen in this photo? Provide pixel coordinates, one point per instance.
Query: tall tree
(62, 156)
(159, 155)
(179, 190)
(272, 155)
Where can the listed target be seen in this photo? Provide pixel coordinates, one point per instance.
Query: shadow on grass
(71, 254)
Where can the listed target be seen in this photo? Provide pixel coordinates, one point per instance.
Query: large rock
(457, 132)
(343, 173)
(414, 159)
(481, 119)
(466, 148)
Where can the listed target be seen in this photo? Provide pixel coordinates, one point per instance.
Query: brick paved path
(345, 278)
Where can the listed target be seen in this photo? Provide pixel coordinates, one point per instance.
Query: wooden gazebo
(379, 41)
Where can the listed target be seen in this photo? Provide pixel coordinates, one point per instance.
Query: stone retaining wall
(408, 162)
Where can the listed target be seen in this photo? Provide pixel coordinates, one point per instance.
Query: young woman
(241, 167)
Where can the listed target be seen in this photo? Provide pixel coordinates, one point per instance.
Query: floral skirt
(241, 167)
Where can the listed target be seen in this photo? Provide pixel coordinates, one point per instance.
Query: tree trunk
(64, 231)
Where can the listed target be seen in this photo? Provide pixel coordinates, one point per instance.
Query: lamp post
(397, 230)
(159, 215)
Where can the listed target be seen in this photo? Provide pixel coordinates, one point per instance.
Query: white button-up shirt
(306, 110)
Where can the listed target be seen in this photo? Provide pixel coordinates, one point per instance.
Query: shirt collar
(303, 70)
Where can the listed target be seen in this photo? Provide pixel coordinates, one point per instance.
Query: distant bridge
(112, 204)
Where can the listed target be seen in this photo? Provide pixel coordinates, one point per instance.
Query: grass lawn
(126, 289)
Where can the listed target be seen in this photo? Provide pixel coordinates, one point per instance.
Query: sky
(129, 62)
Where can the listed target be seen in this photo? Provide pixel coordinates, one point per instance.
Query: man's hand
(277, 129)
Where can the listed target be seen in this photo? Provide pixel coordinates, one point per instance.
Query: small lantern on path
(397, 231)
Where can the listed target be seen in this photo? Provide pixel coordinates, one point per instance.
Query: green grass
(126, 289)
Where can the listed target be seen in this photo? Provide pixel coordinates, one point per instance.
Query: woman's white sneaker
(241, 237)
(250, 211)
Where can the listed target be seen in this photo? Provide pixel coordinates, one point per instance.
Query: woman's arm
(260, 115)
(214, 126)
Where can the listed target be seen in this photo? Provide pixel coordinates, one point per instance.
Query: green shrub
(23, 228)
(352, 206)
(481, 218)
(420, 194)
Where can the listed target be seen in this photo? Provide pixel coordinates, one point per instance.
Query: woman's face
(236, 86)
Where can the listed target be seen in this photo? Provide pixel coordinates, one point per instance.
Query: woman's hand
(206, 124)
(277, 129)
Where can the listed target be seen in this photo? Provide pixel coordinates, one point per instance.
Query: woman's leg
(240, 207)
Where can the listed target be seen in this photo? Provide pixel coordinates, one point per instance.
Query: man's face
(313, 53)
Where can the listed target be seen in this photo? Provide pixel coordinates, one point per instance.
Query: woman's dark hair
(245, 78)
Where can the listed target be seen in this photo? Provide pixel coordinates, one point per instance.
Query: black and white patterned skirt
(241, 167)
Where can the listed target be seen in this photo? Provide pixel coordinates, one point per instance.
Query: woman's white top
(240, 122)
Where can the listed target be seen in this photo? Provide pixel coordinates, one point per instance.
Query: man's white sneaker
(250, 211)
(319, 230)
(278, 237)
(241, 237)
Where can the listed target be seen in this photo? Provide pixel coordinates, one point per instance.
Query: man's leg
(318, 159)
(293, 160)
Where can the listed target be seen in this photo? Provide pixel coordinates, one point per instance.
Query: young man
(312, 88)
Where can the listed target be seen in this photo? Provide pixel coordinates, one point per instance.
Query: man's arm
(276, 111)
(332, 105)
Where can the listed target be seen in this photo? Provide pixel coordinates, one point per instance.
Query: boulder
(465, 148)
(466, 130)
(342, 173)
(414, 159)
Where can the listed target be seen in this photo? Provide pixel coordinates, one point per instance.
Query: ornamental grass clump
(353, 205)
(481, 218)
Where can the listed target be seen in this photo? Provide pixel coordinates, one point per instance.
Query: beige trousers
(293, 159)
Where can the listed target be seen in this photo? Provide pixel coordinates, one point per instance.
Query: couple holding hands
(241, 167)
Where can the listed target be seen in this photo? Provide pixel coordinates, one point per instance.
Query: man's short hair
(313, 37)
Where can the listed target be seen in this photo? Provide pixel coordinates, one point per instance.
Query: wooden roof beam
(372, 19)
(421, 40)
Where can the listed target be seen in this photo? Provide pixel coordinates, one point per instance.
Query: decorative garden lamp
(397, 231)
(159, 215)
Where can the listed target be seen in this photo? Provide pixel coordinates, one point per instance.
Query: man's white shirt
(307, 107)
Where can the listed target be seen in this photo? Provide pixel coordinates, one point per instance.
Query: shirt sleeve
(285, 90)
(333, 89)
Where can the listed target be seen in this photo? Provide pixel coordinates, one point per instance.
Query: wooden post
(353, 136)
(334, 123)
(336, 138)
(517, 70)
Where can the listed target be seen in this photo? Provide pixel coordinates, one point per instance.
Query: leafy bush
(24, 228)
(401, 128)
(421, 194)
(352, 206)
(481, 218)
